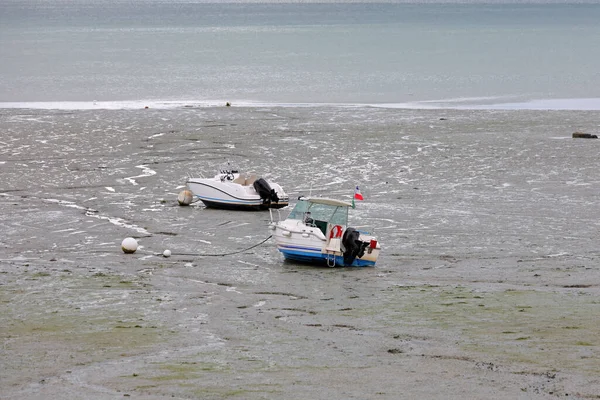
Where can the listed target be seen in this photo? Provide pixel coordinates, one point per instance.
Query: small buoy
(146, 107)
(228, 104)
(167, 253)
(185, 197)
(129, 245)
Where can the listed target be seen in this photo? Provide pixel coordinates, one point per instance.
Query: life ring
(335, 232)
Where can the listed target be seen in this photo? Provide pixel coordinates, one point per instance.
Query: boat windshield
(336, 215)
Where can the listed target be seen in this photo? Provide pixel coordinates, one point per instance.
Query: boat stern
(304, 243)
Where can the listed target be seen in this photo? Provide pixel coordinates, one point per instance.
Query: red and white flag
(357, 194)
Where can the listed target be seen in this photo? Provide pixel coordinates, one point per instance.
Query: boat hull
(309, 257)
(234, 206)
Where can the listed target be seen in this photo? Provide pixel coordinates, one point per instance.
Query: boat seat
(250, 179)
(241, 180)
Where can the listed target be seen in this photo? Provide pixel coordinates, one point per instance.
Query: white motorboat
(233, 190)
(316, 231)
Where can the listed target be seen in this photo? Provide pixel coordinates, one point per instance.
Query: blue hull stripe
(222, 200)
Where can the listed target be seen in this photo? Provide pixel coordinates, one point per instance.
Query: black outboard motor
(354, 247)
(264, 190)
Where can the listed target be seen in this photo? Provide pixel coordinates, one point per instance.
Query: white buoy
(129, 245)
(167, 253)
(185, 197)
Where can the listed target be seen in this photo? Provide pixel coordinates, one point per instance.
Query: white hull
(235, 193)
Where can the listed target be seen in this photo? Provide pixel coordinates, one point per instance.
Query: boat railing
(278, 215)
(316, 233)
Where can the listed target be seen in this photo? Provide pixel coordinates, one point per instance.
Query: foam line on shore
(92, 213)
(145, 172)
(466, 103)
(575, 104)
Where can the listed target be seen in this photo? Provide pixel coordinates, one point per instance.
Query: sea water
(117, 54)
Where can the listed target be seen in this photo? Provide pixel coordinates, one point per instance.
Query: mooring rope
(225, 254)
(236, 252)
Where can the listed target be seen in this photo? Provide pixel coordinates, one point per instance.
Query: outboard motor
(274, 197)
(264, 190)
(353, 246)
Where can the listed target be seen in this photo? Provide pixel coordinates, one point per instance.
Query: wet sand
(487, 286)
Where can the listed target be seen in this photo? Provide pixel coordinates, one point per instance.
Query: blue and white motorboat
(316, 231)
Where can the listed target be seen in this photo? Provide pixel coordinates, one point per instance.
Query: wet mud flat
(487, 286)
